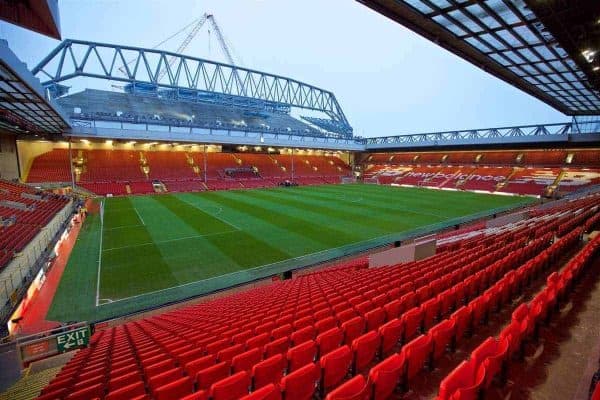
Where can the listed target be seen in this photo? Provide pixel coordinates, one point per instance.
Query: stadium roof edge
(25, 106)
(40, 16)
(522, 52)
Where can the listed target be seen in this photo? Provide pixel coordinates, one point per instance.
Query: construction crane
(196, 25)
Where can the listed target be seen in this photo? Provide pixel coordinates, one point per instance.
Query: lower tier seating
(24, 211)
(348, 332)
(111, 171)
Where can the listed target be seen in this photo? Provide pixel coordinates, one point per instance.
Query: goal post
(372, 180)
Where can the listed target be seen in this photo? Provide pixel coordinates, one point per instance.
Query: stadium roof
(37, 15)
(549, 49)
(23, 106)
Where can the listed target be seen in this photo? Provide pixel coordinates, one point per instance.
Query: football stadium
(183, 227)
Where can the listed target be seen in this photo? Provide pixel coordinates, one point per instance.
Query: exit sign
(73, 339)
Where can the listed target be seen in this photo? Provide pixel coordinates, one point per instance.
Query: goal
(372, 181)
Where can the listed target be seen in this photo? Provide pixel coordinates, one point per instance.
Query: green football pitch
(150, 250)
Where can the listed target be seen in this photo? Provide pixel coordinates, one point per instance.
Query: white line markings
(220, 210)
(100, 255)
(171, 240)
(139, 216)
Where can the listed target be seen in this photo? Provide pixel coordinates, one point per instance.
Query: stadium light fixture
(589, 55)
(84, 141)
(109, 142)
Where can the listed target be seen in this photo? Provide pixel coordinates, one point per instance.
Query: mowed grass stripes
(153, 243)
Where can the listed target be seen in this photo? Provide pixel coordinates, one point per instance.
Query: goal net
(372, 181)
(348, 179)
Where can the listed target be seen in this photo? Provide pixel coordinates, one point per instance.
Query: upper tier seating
(105, 105)
(25, 212)
(311, 334)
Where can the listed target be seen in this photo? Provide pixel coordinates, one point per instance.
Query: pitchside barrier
(49, 343)
(152, 300)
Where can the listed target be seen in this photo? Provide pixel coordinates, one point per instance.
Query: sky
(387, 79)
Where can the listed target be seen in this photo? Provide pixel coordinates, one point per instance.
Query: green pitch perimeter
(150, 250)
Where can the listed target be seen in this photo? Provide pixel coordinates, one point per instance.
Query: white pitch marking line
(212, 215)
(100, 257)
(139, 216)
(124, 226)
(171, 240)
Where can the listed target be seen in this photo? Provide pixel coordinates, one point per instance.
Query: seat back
(246, 360)
(206, 377)
(354, 389)
(268, 371)
(391, 334)
(329, 340)
(175, 390)
(353, 328)
(417, 353)
(300, 384)
(231, 388)
(385, 376)
(365, 349)
(268, 392)
(334, 367)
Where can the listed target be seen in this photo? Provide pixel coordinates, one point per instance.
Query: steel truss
(76, 58)
(504, 134)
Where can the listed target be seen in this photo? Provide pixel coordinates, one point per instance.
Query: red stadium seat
(353, 328)
(268, 371)
(278, 346)
(201, 395)
(354, 389)
(391, 334)
(463, 383)
(268, 392)
(325, 324)
(431, 312)
(417, 354)
(89, 392)
(385, 376)
(492, 355)
(334, 367)
(299, 356)
(282, 331)
(302, 335)
(206, 377)
(374, 318)
(245, 361)
(329, 340)
(365, 349)
(413, 321)
(300, 384)
(192, 367)
(258, 341)
(231, 388)
(443, 337)
(462, 319)
(175, 390)
(228, 353)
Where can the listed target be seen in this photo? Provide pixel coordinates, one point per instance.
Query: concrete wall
(9, 166)
(28, 150)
